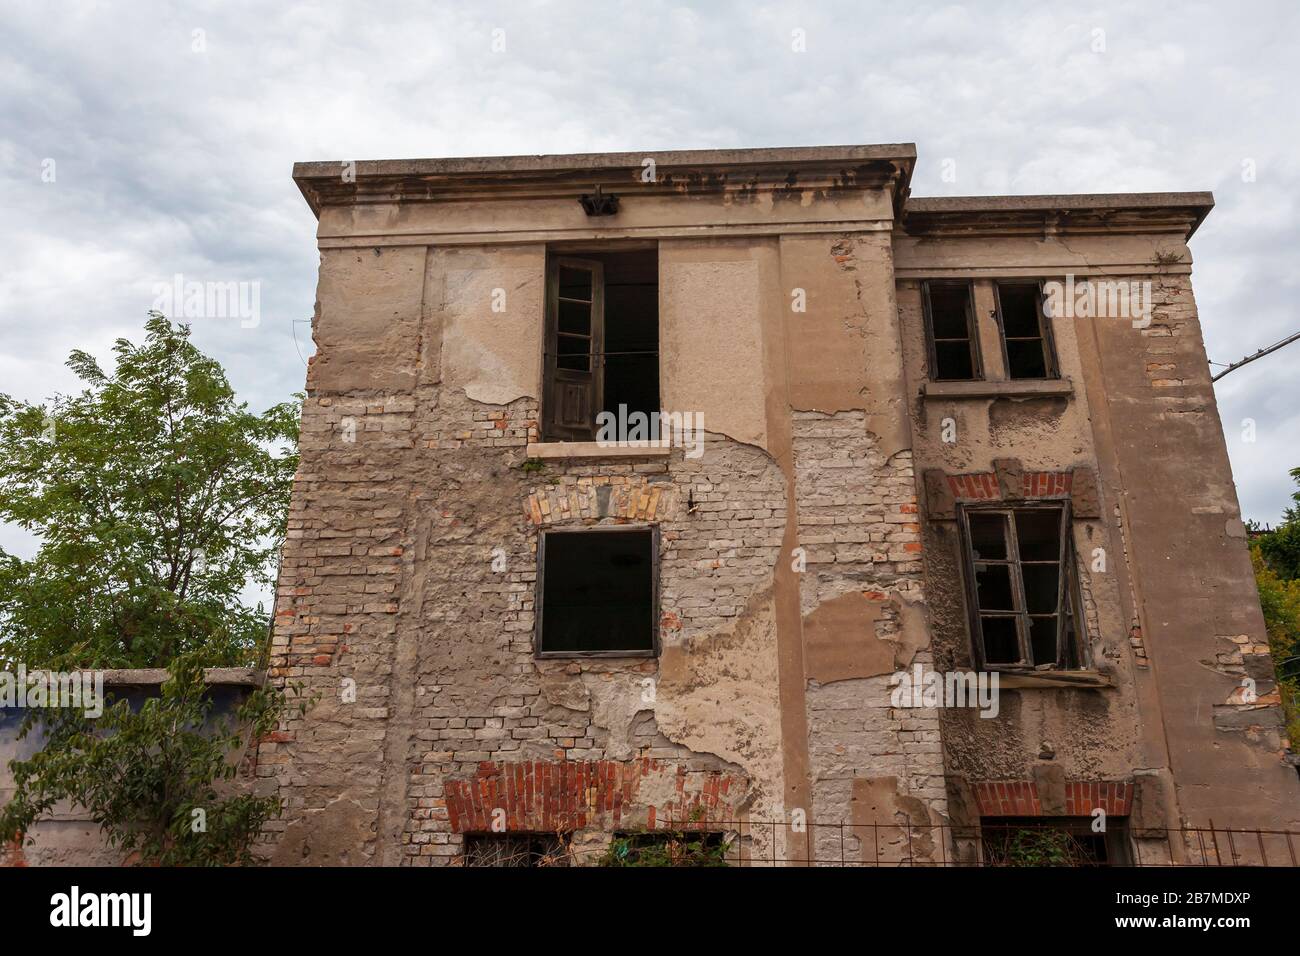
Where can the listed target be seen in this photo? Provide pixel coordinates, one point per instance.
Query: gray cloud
(172, 159)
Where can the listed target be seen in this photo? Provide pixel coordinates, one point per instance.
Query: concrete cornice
(1079, 214)
(788, 170)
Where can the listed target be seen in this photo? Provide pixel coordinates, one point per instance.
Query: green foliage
(666, 848)
(1280, 601)
(155, 778)
(532, 466)
(1039, 846)
(1281, 546)
(157, 498)
(1275, 556)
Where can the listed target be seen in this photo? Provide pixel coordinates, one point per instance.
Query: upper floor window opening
(951, 338)
(602, 340)
(1026, 335)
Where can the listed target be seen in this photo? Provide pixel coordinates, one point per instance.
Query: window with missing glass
(1054, 841)
(679, 848)
(950, 331)
(525, 850)
(1026, 334)
(598, 592)
(1021, 587)
(602, 340)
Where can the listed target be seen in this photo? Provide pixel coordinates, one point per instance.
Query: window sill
(1030, 680)
(1015, 388)
(594, 655)
(556, 450)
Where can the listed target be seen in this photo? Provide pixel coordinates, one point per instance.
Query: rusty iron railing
(1028, 843)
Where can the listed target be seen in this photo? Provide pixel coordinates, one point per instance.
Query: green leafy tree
(1280, 601)
(1275, 555)
(157, 778)
(157, 499)
(1281, 546)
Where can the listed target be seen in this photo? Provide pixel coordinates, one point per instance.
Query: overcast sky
(172, 132)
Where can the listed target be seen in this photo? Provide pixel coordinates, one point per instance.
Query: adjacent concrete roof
(1109, 211)
(230, 676)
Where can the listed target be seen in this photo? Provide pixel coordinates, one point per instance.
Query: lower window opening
(1054, 841)
(1021, 569)
(668, 848)
(516, 849)
(597, 593)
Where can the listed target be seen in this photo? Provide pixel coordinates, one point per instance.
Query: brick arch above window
(601, 497)
(985, 486)
(1021, 798)
(1009, 481)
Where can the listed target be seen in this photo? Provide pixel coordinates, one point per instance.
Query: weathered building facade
(904, 437)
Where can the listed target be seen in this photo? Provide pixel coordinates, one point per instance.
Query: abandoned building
(642, 492)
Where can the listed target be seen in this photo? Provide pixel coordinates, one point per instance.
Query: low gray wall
(69, 837)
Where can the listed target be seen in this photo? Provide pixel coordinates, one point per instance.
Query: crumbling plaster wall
(1198, 611)
(1111, 426)
(707, 705)
(861, 594)
(409, 573)
(422, 401)
(1090, 733)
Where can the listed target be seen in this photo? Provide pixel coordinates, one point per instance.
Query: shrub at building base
(157, 778)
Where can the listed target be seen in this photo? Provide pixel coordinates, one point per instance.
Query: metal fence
(1023, 843)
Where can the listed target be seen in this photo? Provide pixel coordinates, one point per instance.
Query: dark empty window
(602, 340)
(950, 330)
(516, 849)
(1020, 570)
(597, 592)
(1054, 841)
(1025, 336)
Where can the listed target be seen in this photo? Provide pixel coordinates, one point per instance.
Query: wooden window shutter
(575, 336)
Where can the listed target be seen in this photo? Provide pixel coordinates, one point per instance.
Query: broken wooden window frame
(539, 593)
(1071, 646)
(561, 421)
(573, 398)
(972, 330)
(1044, 338)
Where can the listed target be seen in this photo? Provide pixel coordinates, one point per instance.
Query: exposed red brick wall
(550, 796)
(1019, 798)
(983, 486)
(12, 854)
